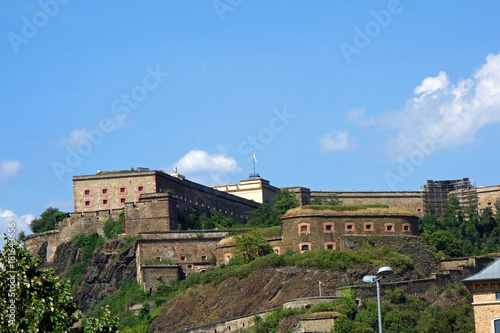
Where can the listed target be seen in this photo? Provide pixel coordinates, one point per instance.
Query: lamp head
(369, 278)
(384, 271)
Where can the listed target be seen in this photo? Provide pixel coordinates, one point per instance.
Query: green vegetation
(327, 259)
(129, 294)
(251, 245)
(462, 231)
(40, 302)
(88, 244)
(49, 220)
(112, 228)
(191, 220)
(403, 314)
(269, 214)
(330, 200)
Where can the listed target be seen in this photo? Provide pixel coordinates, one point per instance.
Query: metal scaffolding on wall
(435, 193)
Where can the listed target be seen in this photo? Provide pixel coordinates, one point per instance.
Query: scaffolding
(435, 193)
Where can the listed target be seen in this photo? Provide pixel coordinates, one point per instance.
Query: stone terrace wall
(402, 199)
(232, 325)
(43, 244)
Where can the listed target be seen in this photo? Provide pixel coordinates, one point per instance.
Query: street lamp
(382, 271)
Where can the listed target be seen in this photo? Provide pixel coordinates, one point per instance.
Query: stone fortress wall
(152, 202)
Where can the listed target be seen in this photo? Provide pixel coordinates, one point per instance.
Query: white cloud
(21, 222)
(204, 168)
(431, 84)
(335, 141)
(79, 137)
(443, 114)
(9, 168)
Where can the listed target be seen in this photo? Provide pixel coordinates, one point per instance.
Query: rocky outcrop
(112, 264)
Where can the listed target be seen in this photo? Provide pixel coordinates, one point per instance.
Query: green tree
(445, 242)
(269, 214)
(49, 220)
(32, 300)
(251, 245)
(105, 323)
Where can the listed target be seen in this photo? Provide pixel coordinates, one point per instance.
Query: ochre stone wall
(488, 195)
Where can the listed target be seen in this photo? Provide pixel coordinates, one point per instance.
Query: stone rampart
(231, 325)
(403, 199)
(307, 302)
(43, 244)
(488, 195)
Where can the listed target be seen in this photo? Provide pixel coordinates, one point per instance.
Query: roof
(491, 272)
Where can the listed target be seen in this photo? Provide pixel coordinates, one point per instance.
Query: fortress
(153, 202)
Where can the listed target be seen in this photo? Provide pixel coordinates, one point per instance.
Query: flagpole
(253, 159)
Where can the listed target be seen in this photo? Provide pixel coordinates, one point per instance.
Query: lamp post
(382, 271)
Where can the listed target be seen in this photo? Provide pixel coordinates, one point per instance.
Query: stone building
(485, 288)
(252, 188)
(306, 229)
(113, 190)
(162, 256)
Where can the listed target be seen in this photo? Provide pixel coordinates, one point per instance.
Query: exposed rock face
(114, 263)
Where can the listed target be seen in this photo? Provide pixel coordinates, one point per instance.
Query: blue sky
(331, 95)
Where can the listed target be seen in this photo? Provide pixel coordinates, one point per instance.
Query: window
(122, 190)
(303, 247)
(140, 188)
(330, 246)
(105, 202)
(389, 227)
(87, 202)
(104, 190)
(496, 324)
(203, 257)
(304, 228)
(87, 192)
(123, 200)
(276, 250)
(183, 258)
(328, 227)
(497, 295)
(368, 226)
(349, 227)
(406, 228)
(190, 266)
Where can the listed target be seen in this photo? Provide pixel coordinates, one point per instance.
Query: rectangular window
(303, 228)
(122, 189)
(87, 192)
(87, 203)
(122, 200)
(105, 202)
(183, 258)
(498, 295)
(204, 258)
(328, 227)
(140, 188)
(104, 191)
